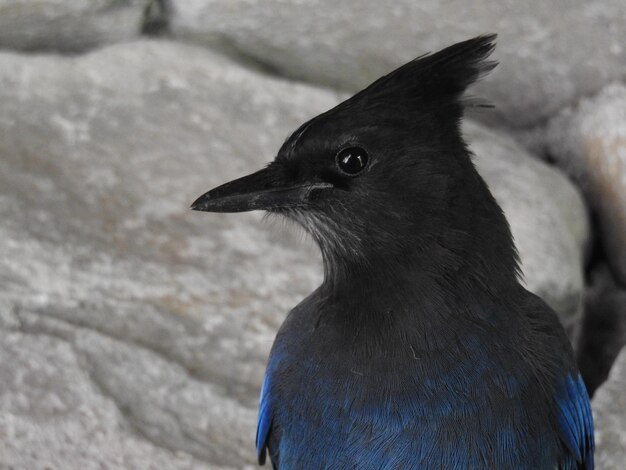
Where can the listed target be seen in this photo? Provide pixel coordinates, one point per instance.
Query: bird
(421, 348)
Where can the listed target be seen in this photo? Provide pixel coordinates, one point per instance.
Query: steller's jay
(420, 350)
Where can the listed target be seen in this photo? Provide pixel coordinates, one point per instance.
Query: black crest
(432, 78)
(425, 92)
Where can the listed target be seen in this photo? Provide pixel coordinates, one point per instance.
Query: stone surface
(550, 52)
(100, 158)
(609, 415)
(589, 142)
(68, 25)
(169, 314)
(53, 416)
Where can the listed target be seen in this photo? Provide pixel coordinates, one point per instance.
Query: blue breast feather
(264, 422)
(574, 420)
(575, 423)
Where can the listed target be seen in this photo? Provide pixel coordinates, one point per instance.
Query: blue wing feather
(575, 424)
(264, 421)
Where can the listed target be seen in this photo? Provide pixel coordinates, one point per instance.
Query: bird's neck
(470, 255)
(412, 311)
(417, 315)
(415, 283)
(427, 271)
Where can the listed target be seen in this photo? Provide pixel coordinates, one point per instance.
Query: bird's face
(378, 173)
(355, 182)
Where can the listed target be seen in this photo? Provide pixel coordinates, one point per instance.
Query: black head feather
(411, 199)
(439, 77)
(421, 196)
(426, 92)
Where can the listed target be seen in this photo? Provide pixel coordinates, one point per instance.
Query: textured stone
(609, 415)
(52, 415)
(550, 52)
(100, 158)
(68, 25)
(158, 397)
(171, 313)
(589, 142)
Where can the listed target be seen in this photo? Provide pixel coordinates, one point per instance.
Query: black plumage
(420, 349)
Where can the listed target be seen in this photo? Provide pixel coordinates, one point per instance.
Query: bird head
(384, 178)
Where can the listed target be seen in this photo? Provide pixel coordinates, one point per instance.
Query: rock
(68, 25)
(550, 52)
(603, 331)
(547, 215)
(100, 158)
(589, 142)
(171, 313)
(163, 400)
(52, 415)
(609, 415)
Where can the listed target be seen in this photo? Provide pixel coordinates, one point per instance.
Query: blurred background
(134, 332)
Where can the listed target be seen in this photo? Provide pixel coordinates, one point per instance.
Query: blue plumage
(575, 423)
(264, 421)
(488, 410)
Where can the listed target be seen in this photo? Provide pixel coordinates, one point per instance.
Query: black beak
(266, 189)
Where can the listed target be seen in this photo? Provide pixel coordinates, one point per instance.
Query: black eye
(352, 160)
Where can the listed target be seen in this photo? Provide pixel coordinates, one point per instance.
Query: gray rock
(609, 415)
(52, 415)
(171, 313)
(589, 142)
(159, 398)
(68, 25)
(551, 52)
(100, 158)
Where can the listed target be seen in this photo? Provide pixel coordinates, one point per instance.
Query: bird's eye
(352, 160)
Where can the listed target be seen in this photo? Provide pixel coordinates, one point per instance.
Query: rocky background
(133, 332)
